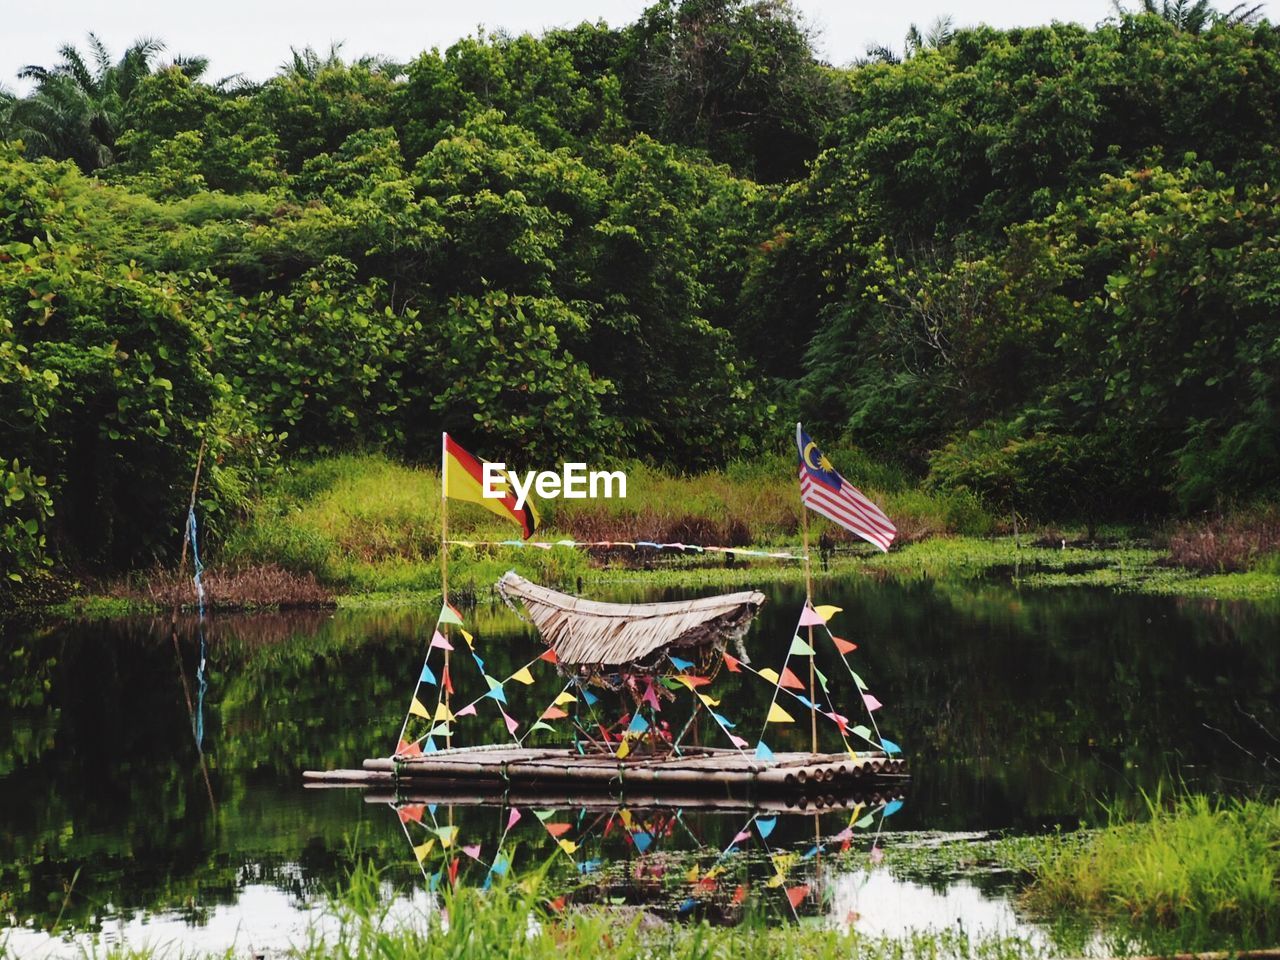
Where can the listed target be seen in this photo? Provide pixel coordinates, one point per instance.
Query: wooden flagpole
(808, 596)
(444, 565)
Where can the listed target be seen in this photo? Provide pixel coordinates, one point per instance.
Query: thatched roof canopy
(629, 636)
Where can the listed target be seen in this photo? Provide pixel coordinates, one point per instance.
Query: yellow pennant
(625, 815)
(769, 674)
(444, 713)
(692, 875)
(422, 850)
(706, 698)
(565, 697)
(568, 846)
(778, 715)
(471, 641)
(418, 710)
(624, 748)
(523, 675)
(826, 611)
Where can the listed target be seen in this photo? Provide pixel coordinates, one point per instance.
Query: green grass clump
(1195, 862)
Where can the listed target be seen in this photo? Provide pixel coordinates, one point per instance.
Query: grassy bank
(364, 531)
(1193, 864)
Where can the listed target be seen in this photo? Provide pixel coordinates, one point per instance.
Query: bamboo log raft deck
(697, 773)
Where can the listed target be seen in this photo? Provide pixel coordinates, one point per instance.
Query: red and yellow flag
(464, 480)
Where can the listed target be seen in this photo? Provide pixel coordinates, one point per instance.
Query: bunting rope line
(762, 749)
(554, 705)
(887, 745)
(721, 722)
(632, 544)
(519, 675)
(202, 685)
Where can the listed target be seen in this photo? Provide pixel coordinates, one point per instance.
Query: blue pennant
(891, 808)
(642, 840)
(638, 724)
(590, 697)
(889, 746)
(589, 866)
(724, 722)
(427, 675)
(500, 865)
(688, 905)
(497, 694)
(763, 752)
(806, 701)
(430, 746)
(766, 826)
(812, 852)
(478, 661)
(679, 663)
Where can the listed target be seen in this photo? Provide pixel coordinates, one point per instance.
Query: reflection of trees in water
(1017, 708)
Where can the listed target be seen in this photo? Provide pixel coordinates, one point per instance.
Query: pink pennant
(468, 711)
(472, 851)
(741, 836)
(439, 642)
(871, 702)
(738, 742)
(651, 697)
(512, 723)
(513, 818)
(845, 834)
(809, 617)
(876, 854)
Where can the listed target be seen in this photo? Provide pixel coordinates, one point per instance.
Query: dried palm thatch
(591, 637)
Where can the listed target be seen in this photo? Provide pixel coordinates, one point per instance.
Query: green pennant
(799, 648)
(440, 730)
(448, 616)
(862, 731)
(858, 680)
(544, 815)
(493, 684)
(822, 678)
(541, 725)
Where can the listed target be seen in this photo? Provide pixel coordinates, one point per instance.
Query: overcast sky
(254, 36)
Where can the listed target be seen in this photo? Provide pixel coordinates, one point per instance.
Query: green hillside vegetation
(1031, 270)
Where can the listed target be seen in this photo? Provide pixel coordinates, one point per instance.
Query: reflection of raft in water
(642, 652)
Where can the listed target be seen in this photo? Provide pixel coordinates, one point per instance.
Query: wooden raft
(705, 772)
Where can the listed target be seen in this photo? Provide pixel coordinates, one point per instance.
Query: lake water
(145, 799)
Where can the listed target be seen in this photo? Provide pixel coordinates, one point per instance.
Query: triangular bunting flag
(769, 674)
(427, 675)
(858, 680)
(565, 697)
(558, 830)
(471, 641)
(763, 752)
(513, 818)
(826, 612)
(733, 663)
(638, 724)
(797, 894)
(472, 851)
(511, 722)
(680, 664)
(872, 703)
(800, 648)
(468, 711)
(778, 715)
(790, 680)
(449, 615)
(418, 710)
(406, 749)
(423, 849)
(765, 826)
(889, 746)
(523, 676)
(443, 712)
(692, 682)
(541, 725)
(549, 655)
(844, 646)
(706, 698)
(439, 642)
(568, 846)
(809, 617)
(446, 834)
(861, 730)
(411, 812)
(553, 713)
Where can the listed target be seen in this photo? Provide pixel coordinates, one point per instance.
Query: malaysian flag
(824, 491)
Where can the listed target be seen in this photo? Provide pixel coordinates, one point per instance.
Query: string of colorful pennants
(631, 544)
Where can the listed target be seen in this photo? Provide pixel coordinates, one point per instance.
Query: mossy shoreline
(363, 530)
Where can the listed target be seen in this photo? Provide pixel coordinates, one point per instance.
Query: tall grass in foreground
(1193, 863)
(514, 921)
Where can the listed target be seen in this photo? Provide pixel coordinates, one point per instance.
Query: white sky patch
(253, 38)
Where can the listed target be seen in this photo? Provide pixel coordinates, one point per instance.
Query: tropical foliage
(1036, 266)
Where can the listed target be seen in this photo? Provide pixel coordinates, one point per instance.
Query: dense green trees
(1038, 264)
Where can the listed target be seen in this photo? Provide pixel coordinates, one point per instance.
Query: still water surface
(144, 799)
